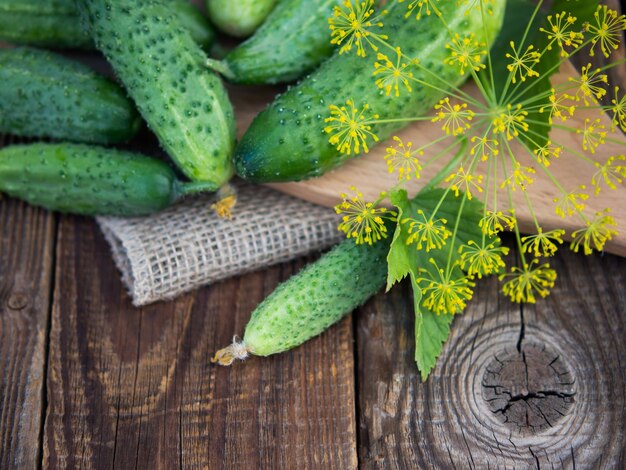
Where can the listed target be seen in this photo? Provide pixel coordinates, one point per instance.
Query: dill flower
(606, 30)
(402, 159)
(353, 25)
(427, 6)
(350, 127)
(595, 234)
(527, 281)
(561, 32)
(590, 84)
(427, 233)
(456, 117)
(572, 202)
(484, 147)
(445, 292)
(611, 173)
(466, 182)
(543, 243)
(593, 134)
(557, 108)
(466, 53)
(392, 75)
(547, 152)
(523, 65)
(363, 221)
(484, 259)
(619, 111)
(511, 121)
(495, 222)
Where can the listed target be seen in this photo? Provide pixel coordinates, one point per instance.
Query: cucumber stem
(185, 189)
(221, 67)
(229, 354)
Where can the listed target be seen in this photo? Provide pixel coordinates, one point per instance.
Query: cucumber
(89, 180)
(286, 142)
(239, 18)
(293, 40)
(164, 72)
(56, 24)
(312, 300)
(46, 95)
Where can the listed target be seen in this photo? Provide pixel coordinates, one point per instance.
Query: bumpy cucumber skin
(164, 72)
(239, 18)
(56, 24)
(293, 40)
(318, 296)
(88, 180)
(286, 142)
(46, 95)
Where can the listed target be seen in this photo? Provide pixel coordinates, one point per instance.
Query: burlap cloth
(188, 246)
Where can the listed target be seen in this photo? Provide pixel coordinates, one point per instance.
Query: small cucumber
(293, 40)
(312, 300)
(89, 180)
(239, 18)
(46, 95)
(56, 23)
(286, 142)
(165, 73)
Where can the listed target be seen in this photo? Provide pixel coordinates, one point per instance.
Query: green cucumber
(239, 18)
(293, 40)
(165, 73)
(286, 142)
(46, 95)
(56, 23)
(90, 180)
(312, 300)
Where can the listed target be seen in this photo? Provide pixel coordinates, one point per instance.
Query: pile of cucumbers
(159, 51)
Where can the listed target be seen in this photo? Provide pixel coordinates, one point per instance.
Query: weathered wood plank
(26, 256)
(134, 387)
(537, 387)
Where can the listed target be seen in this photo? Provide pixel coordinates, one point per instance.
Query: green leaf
(431, 330)
(520, 25)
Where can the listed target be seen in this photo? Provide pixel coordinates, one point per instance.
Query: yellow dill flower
(484, 147)
(589, 85)
(557, 108)
(392, 75)
(521, 177)
(496, 221)
(353, 25)
(482, 260)
(619, 111)
(466, 182)
(611, 173)
(543, 243)
(511, 121)
(595, 234)
(455, 117)
(362, 220)
(523, 65)
(427, 6)
(402, 159)
(593, 134)
(607, 30)
(571, 203)
(427, 234)
(226, 201)
(527, 281)
(350, 127)
(561, 31)
(466, 53)
(443, 293)
(547, 152)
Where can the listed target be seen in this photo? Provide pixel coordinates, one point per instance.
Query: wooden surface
(86, 380)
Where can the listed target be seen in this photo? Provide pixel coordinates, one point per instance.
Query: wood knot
(17, 301)
(529, 390)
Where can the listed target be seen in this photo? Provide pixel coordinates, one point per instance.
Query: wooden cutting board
(369, 172)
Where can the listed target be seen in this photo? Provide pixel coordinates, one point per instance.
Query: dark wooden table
(86, 380)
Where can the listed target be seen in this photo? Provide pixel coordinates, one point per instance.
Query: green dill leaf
(404, 260)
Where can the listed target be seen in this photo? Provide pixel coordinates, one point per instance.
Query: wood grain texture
(571, 404)
(133, 388)
(26, 258)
